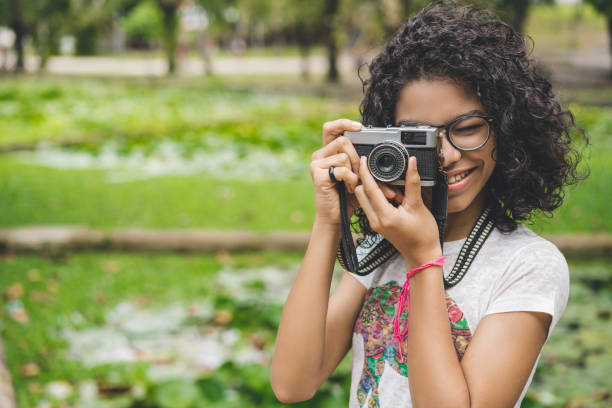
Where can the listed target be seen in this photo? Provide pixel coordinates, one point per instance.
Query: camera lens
(387, 161)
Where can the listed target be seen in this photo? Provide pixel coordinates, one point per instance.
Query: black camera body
(387, 151)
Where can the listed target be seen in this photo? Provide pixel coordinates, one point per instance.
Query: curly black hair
(535, 154)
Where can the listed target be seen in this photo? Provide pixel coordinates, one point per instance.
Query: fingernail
(357, 124)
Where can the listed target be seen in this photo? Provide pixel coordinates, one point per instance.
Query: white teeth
(458, 177)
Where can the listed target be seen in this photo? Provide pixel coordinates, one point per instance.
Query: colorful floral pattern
(374, 323)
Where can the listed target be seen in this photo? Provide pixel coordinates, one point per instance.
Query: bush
(142, 25)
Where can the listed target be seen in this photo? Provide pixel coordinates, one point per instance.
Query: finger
(336, 127)
(390, 192)
(366, 206)
(339, 159)
(350, 179)
(340, 145)
(375, 195)
(412, 190)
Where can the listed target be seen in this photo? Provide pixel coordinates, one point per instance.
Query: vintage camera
(387, 151)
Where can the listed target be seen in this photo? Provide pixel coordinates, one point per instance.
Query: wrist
(415, 258)
(321, 226)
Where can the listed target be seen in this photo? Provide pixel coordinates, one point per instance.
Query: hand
(410, 226)
(339, 152)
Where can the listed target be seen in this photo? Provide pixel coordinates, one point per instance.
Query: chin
(455, 206)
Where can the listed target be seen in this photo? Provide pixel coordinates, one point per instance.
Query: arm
(497, 364)
(315, 331)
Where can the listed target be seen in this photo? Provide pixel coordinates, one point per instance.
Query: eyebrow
(413, 122)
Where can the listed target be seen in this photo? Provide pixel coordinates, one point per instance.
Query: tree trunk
(303, 40)
(44, 37)
(19, 28)
(86, 40)
(610, 41)
(519, 14)
(170, 23)
(331, 9)
(206, 57)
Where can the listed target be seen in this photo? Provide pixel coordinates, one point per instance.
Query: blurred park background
(152, 116)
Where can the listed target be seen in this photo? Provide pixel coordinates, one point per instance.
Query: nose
(450, 154)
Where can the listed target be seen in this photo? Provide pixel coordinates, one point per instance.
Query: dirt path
(53, 239)
(568, 68)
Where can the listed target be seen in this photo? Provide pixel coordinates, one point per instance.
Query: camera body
(387, 151)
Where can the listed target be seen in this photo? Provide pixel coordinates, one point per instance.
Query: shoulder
(535, 275)
(529, 248)
(523, 247)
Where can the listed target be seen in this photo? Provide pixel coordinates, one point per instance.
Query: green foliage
(178, 394)
(573, 369)
(143, 24)
(90, 115)
(603, 6)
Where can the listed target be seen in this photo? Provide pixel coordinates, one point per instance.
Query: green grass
(137, 115)
(574, 365)
(37, 195)
(139, 112)
(91, 284)
(554, 28)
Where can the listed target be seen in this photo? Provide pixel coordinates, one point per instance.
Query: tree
(169, 10)
(514, 11)
(605, 8)
(329, 15)
(47, 25)
(13, 16)
(89, 18)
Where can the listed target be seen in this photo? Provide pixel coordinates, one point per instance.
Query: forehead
(434, 101)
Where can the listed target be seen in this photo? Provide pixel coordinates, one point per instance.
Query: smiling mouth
(458, 177)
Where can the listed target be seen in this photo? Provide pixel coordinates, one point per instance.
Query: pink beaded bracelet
(398, 334)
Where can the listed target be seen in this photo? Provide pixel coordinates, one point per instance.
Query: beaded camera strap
(383, 250)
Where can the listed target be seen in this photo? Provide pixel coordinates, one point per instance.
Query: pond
(123, 330)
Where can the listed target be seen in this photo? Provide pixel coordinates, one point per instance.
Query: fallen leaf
(40, 297)
(100, 298)
(223, 317)
(17, 312)
(15, 291)
(34, 275)
(30, 370)
(111, 266)
(35, 388)
(20, 316)
(53, 285)
(258, 341)
(224, 258)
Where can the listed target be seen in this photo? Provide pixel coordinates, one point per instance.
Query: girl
(507, 152)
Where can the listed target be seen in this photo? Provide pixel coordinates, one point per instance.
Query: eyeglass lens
(470, 132)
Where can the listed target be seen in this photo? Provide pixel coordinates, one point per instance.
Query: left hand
(410, 226)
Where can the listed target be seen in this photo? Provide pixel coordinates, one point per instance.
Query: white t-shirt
(519, 271)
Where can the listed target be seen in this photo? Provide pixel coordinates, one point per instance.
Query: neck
(459, 224)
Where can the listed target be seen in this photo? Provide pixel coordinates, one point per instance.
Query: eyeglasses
(468, 132)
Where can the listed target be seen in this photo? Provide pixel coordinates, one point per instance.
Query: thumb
(412, 193)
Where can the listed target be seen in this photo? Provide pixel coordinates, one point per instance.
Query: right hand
(337, 151)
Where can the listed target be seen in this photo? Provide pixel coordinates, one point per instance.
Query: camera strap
(347, 254)
(382, 250)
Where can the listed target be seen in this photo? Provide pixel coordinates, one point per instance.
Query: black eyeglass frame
(447, 126)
